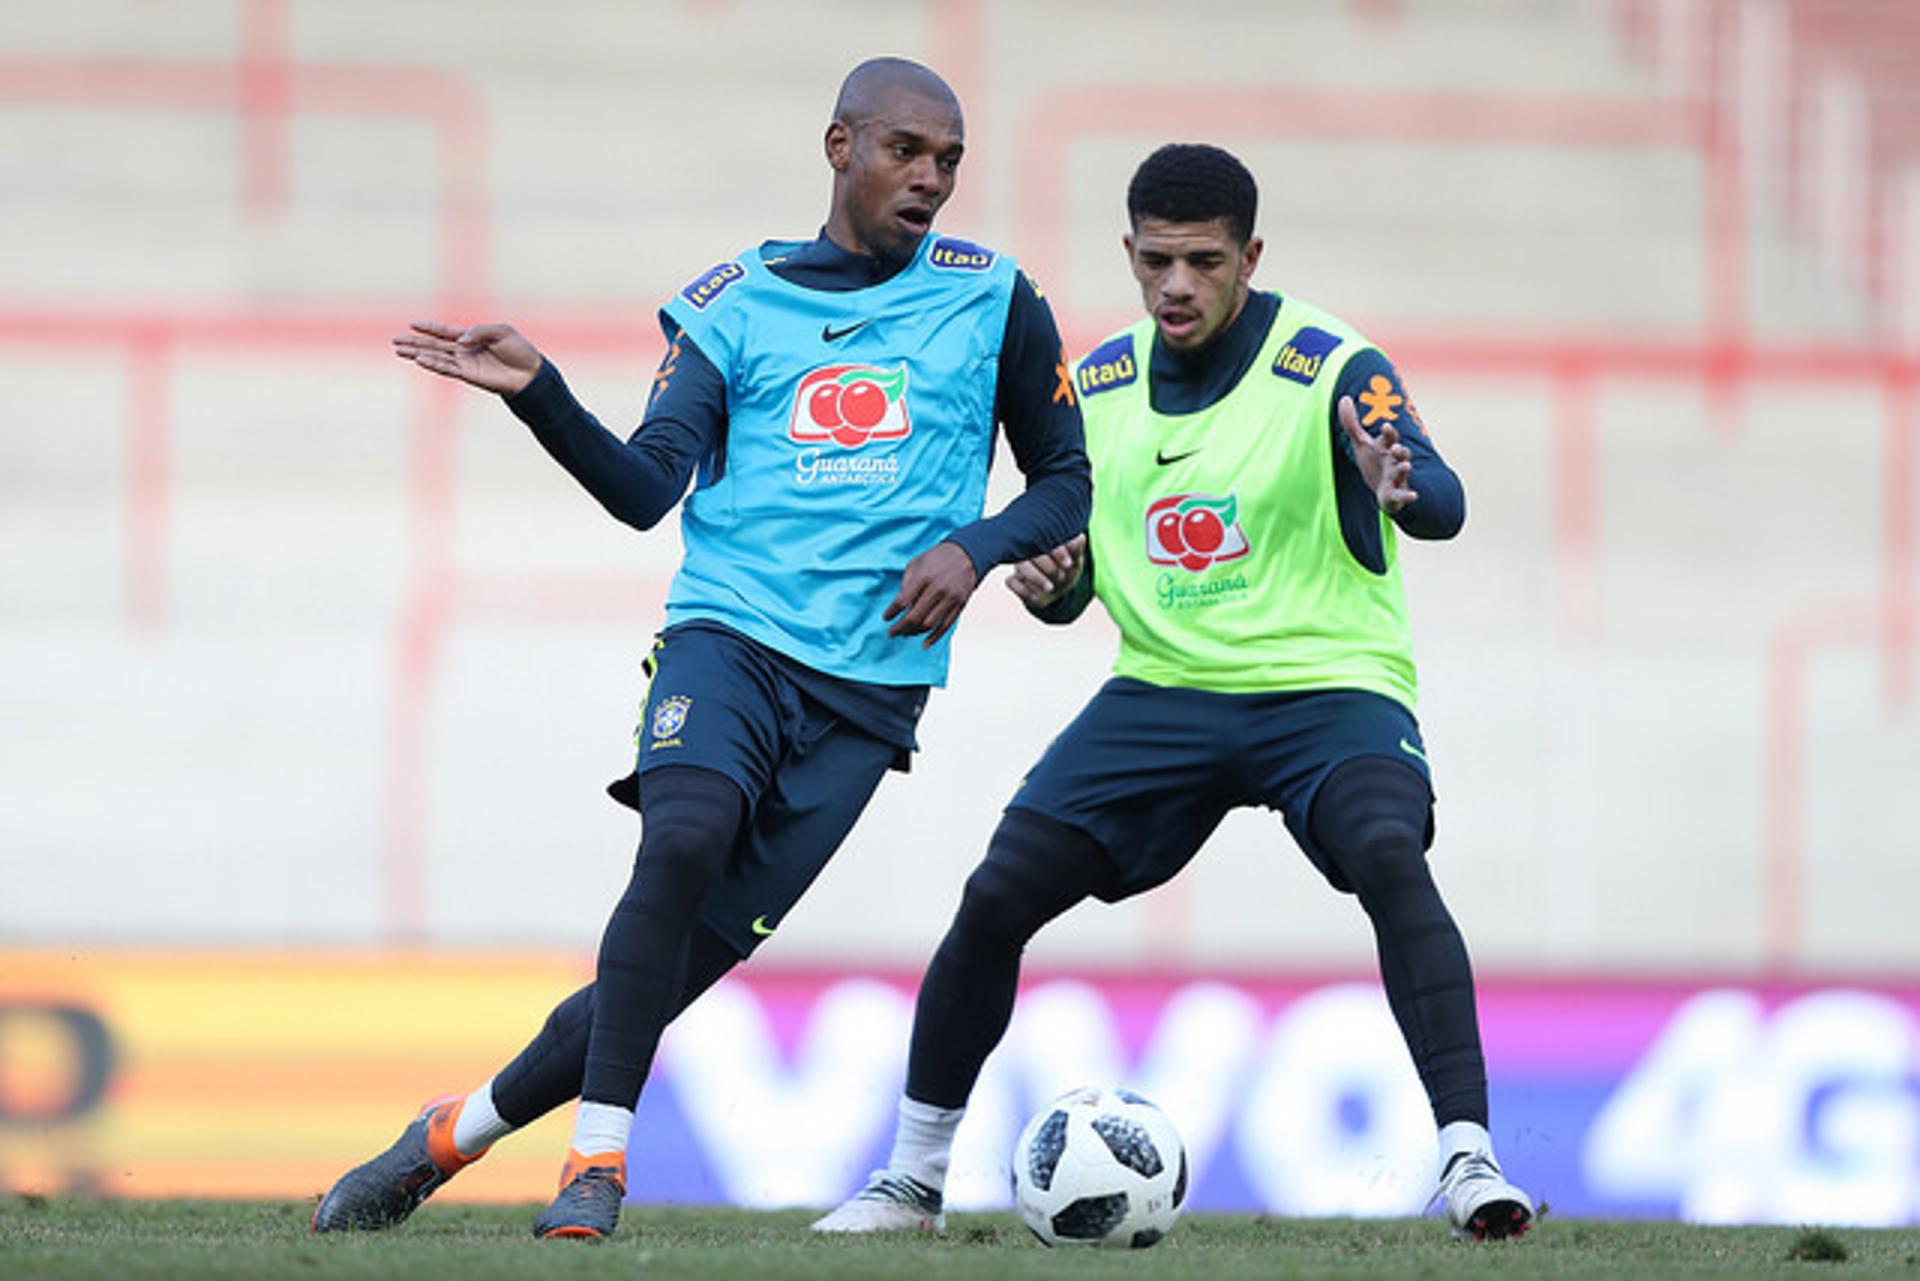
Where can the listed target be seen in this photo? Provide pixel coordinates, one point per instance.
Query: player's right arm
(491, 357)
(637, 480)
(1056, 586)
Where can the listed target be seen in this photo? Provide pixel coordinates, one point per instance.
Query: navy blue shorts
(719, 702)
(1149, 771)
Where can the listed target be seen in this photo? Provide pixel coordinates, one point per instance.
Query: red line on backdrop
(1815, 627)
(266, 100)
(147, 529)
(1725, 232)
(1782, 790)
(404, 830)
(432, 460)
(1902, 540)
(1381, 12)
(1576, 519)
(957, 37)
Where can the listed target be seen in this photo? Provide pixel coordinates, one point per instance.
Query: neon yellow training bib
(1216, 535)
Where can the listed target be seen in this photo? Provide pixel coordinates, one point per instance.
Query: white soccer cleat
(889, 1203)
(1481, 1204)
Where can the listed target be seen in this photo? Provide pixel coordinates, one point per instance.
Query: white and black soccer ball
(1099, 1167)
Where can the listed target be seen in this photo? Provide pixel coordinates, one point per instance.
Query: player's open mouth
(1177, 323)
(918, 217)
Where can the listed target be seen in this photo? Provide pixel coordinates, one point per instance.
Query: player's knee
(1036, 868)
(677, 862)
(1370, 821)
(1386, 852)
(993, 908)
(689, 821)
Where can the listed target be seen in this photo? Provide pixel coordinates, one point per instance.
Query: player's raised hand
(1044, 579)
(1384, 462)
(935, 587)
(494, 357)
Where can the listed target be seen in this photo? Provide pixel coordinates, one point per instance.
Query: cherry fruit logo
(850, 405)
(1194, 531)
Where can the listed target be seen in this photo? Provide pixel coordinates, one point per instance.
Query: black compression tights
(1035, 869)
(1370, 819)
(655, 958)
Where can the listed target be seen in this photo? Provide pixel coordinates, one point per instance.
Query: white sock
(923, 1144)
(600, 1128)
(1463, 1136)
(479, 1125)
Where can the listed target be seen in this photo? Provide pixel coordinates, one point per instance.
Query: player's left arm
(1390, 461)
(1037, 408)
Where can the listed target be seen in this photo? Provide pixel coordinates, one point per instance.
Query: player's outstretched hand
(1046, 578)
(1385, 463)
(935, 587)
(494, 357)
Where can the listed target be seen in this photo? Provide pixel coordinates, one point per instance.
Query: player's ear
(1126, 243)
(839, 146)
(1250, 258)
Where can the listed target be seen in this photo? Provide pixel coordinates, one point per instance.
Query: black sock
(1370, 819)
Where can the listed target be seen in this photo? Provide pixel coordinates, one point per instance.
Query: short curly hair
(1194, 182)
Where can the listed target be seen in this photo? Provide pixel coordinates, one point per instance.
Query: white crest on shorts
(670, 717)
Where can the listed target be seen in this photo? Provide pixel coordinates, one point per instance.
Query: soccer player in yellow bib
(1254, 459)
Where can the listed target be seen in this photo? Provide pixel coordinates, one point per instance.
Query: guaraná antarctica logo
(1195, 532)
(851, 405)
(847, 406)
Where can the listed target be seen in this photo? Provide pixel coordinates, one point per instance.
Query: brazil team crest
(670, 717)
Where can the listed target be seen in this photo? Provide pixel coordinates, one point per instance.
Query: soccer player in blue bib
(1254, 460)
(833, 403)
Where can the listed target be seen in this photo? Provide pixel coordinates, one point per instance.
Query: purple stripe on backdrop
(1705, 1100)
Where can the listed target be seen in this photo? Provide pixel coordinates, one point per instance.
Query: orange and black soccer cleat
(588, 1207)
(384, 1191)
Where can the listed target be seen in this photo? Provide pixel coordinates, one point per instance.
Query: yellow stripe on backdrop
(148, 1074)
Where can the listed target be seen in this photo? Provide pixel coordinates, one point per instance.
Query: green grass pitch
(63, 1238)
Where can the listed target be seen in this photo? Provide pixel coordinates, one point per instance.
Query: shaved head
(869, 84)
(894, 146)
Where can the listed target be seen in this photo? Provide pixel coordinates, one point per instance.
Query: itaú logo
(1195, 531)
(850, 405)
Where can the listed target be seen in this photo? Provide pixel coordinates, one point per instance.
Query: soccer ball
(1099, 1167)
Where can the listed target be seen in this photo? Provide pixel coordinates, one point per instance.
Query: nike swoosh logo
(1163, 459)
(1411, 750)
(761, 927)
(829, 334)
